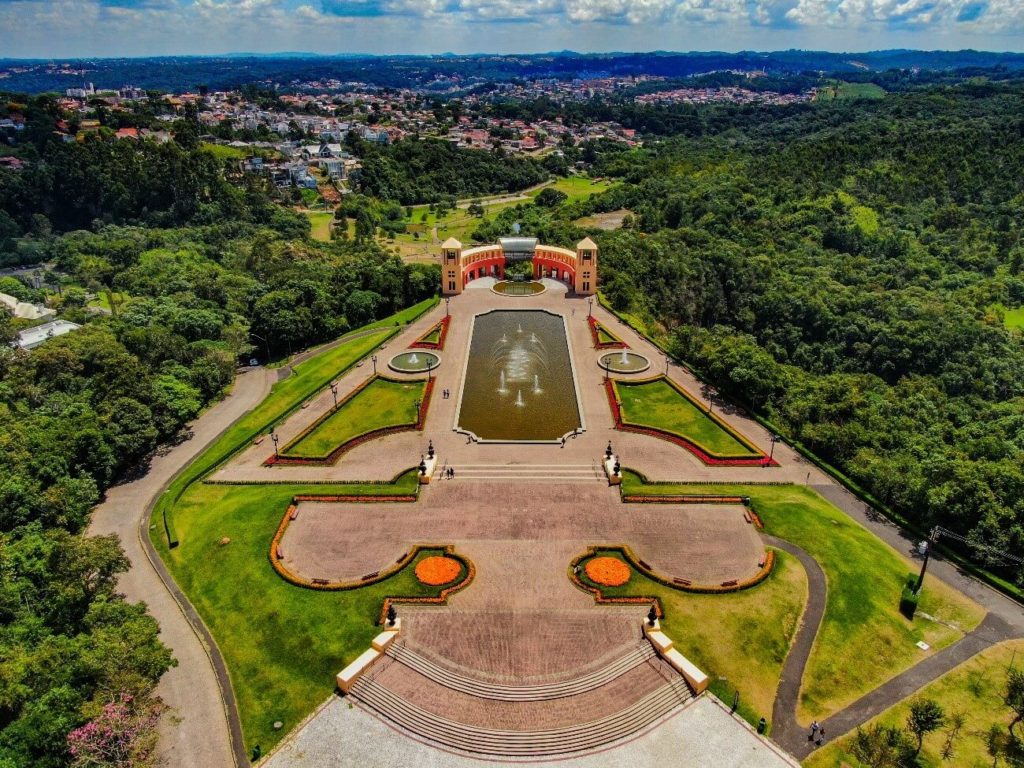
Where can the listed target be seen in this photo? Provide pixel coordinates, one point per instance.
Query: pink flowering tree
(123, 735)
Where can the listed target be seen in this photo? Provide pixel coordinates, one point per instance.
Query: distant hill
(181, 73)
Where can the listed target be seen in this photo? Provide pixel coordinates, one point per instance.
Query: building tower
(586, 267)
(451, 267)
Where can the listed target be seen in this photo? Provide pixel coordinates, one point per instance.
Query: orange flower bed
(607, 571)
(435, 571)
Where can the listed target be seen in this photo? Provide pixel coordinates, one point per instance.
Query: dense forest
(412, 172)
(197, 273)
(842, 269)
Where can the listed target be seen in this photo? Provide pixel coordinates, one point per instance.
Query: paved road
(786, 731)
(198, 733)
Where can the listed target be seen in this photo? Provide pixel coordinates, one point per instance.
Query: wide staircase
(459, 710)
(556, 473)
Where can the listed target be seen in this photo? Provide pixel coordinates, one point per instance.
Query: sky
(86, 28)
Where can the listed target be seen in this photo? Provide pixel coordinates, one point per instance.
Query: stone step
(530, 472)
(576, 738)
(485, 690)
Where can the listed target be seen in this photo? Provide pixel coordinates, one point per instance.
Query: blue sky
(66, 28)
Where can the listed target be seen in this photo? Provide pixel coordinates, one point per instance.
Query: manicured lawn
(382, 403)
(604, 336)
(740, 639)
(1014, 318)
(282, 644)
(307, 378)
(434, 337)
(865, 577)
(110, 300)
(320, 222)
(975, 688)
(656, 403)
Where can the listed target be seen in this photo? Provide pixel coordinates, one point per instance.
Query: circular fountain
(416, 361)
(624, 362)
(518, 288)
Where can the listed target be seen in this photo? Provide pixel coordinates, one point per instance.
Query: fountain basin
(414, 362)
(519, 383)
(624, 362)
(518, 288)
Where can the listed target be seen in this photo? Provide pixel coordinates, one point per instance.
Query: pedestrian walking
(453, 473)
(814, 727)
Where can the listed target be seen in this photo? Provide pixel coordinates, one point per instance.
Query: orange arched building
(578, 268)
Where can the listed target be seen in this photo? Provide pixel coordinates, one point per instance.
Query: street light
(771, 453)
(711, 399)
(447, 301)
(334, 392)
(590, 310)
(267, 343)
(666, 365)
(374, 361)
(273, 436)
(416, 405)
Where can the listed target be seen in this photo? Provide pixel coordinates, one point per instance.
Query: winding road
(197, 731)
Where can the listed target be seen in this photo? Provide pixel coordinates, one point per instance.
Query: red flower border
(596, 336)
(689, 445)
(683, 585)
(439, 344)
(348, 445)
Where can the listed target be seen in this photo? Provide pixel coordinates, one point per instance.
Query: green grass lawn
(604, 336)
(110, 300)
(282, 644)
(460, 225)
(434, 337)
(382, 403)
(1014, 318)
(865, 577)
(320, 223)
(307, 378)
(740, 639)
(656, 403)
(975, 688)
(842, 90)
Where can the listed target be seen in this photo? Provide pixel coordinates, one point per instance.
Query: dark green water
(519, 383)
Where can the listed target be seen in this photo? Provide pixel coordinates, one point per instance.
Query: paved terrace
(578, 460)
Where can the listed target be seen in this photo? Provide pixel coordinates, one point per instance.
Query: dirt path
(198, 734)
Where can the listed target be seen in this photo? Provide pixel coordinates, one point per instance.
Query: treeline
(841, 270)
(412, 172)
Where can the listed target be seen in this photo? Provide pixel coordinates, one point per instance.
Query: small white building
(31, 338)
(23, 309)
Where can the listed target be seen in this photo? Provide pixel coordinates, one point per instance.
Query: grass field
(740, 640)
(842, 90)
(307, 378)
(604, 336)
(656, 403)
(434, 337)
(865, 576)
(974, 688)
(460, 225)
(382, 403)
(105, 298)
(1014, 318)
(282, 644)
(320, 225)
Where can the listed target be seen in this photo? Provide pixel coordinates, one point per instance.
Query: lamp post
(373, 360)
(447, 301)
(267, 343)
(711, 399)
(334, 392)
(416, 405)
(590, 308)
(925, 547)
(666, 365)
(771, 453)
(274, 437)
